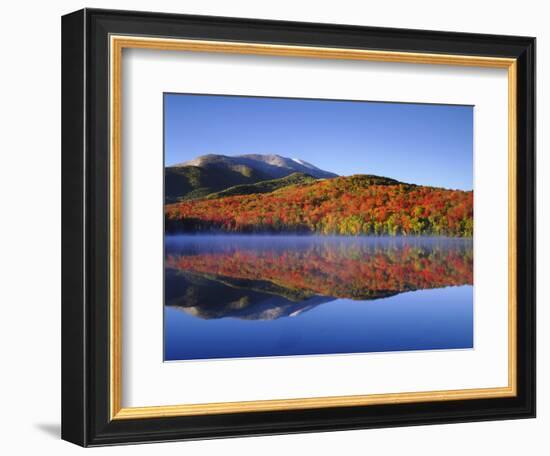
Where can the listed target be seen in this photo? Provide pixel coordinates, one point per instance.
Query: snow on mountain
(304, 163)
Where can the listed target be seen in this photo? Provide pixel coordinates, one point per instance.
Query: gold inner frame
(117, 44)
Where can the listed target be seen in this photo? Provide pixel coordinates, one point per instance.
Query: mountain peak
(271, 165)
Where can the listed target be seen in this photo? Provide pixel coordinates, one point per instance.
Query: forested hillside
(354, 205)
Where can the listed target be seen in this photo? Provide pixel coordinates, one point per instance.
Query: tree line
(341, 206)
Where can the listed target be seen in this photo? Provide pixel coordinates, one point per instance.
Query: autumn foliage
(345, 272)
(351, 205)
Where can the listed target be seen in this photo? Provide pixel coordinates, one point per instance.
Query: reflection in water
(228, 279)
(299, 269)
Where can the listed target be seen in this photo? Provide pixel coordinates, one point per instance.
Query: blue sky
(416, 143)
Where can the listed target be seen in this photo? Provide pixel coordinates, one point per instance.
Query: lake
(236, 296)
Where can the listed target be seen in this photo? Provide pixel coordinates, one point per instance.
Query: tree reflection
(318, 271)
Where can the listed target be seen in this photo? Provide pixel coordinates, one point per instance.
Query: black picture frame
(85, 224)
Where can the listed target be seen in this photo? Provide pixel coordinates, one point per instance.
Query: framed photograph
(278, 227)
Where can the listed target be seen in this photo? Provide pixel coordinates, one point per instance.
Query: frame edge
(73, 302)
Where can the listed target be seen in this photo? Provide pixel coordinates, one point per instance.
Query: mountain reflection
(272, 277)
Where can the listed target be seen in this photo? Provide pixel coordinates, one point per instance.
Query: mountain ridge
(273, 165)
(266, 186)
(212, 173)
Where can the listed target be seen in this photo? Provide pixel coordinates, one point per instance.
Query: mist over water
(247, 296)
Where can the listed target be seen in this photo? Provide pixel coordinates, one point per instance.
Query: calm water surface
(249, 296)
